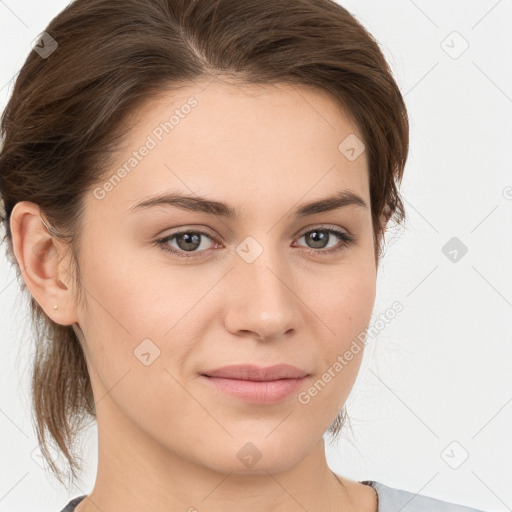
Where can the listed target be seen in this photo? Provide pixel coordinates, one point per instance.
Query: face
(263, 286)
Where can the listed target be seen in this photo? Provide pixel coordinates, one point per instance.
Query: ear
(39, 256)
(384, 218)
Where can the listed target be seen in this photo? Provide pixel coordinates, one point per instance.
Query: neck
(135, 473)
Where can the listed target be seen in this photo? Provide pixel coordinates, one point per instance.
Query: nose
(264, 299)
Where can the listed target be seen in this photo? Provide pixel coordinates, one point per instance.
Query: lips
(256, 373)
(254, 384)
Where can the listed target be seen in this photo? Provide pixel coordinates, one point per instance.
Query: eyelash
(345, 238)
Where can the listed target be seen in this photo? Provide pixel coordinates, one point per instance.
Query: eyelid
(346, 239)
(313, 227)
(162, 242)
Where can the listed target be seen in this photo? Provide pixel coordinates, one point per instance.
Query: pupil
(318, 238)
(188, 242)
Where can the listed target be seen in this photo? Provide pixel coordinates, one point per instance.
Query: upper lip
(257, 373)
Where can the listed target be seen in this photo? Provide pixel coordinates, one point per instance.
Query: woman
(195, 196)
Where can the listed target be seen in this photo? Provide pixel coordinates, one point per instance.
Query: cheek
(124, 290)
(345, 311)
(133, 297)
(344, 300)
(137, 320)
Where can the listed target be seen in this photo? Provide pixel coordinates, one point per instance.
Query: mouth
(257, 385)
(257, 373)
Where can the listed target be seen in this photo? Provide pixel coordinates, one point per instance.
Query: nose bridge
(264, 298)
(263, 267)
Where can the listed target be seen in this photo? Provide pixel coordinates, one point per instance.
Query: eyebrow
(204, 205)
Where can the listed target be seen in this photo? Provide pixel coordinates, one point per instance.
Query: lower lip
(257, 392)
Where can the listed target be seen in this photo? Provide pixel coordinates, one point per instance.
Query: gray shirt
(390, 500)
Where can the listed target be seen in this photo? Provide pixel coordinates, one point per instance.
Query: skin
(167, 441)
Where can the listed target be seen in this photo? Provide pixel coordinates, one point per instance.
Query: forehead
(239, 143)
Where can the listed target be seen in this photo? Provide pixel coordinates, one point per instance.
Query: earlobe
(384, 218)
(37, 254)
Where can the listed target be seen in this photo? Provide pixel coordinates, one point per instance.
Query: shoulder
(73, 503)
(391, 500)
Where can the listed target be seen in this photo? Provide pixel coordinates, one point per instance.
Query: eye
(190, 241)
(187, 241)
(320, 237)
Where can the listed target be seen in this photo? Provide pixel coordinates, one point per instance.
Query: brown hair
(66, 116)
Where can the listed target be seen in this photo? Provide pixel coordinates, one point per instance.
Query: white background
(436, 384)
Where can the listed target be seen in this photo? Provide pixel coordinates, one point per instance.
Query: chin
(258, 454)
